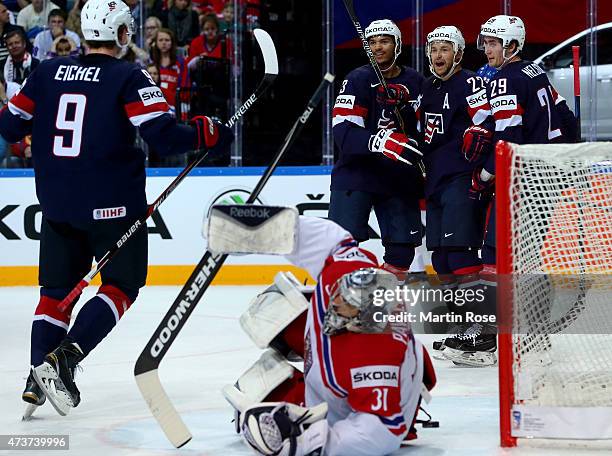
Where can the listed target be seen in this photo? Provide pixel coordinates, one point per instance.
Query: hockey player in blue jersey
(456, 119)
(370, 138)
(82, 114)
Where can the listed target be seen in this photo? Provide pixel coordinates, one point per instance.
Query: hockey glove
(395, 146)
(398, 95)
(210, 133)
(481, 189)
(280, 428)
(477, 142)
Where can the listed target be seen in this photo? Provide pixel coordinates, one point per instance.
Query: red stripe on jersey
(49, 306)
(138, 108)
(23, 103)
(355, 111)
(508, 113)
(472, 111)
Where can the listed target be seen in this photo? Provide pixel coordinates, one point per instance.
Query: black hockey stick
(148, 362)
(350, 9)
(268, 52)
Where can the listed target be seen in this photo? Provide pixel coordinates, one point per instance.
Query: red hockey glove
(477, 142)
(395, 146)
(207, 130)
(399, 95)
(481, 190)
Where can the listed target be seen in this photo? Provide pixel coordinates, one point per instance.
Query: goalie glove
(477, 142)
(280, 428)
(398, 96)
(482, 189)
(395, 146)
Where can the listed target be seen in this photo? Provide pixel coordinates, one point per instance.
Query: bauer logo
(504, 103)
(369, 376)
(345, 101)
(109, 213)
(151, 95)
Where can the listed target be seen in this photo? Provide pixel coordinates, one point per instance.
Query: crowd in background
(184, 44)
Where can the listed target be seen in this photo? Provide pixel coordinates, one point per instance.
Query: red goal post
(554, 265)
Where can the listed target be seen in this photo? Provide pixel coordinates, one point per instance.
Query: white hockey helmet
(386, 27)
(363, 289)
(102, 19)
(506, 28)
(448, 33)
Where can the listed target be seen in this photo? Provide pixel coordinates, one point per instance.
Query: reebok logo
(239, 212)
(370, 376)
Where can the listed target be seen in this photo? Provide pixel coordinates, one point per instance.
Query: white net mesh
(561, 222)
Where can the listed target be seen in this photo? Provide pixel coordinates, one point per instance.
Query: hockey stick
(576, 56)
(350, 9)
(145, 370)
(271, 71)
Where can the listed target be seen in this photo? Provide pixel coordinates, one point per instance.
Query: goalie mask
(101, 20)
(505, 28)
(386, 27)
(452, 35)
(356, 297)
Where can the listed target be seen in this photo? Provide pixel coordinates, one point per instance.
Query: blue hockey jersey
(447, 109)
(527, 108)
(356, 116)
(82, 115)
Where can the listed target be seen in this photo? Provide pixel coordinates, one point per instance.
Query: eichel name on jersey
(356, 116)
(447, 109)
(82, 114)
(527, 109)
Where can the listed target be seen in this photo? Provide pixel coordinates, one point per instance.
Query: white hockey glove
(395, 146)
(283, 429)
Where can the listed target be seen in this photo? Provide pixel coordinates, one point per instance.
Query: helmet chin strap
(449, 73)
(507, 59)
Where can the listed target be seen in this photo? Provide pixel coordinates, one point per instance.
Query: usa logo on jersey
(433, 123)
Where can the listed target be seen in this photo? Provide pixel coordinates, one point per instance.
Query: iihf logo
(433, 123)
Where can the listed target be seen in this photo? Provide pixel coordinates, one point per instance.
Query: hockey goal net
(554, 237)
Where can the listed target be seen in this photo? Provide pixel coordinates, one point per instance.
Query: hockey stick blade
(350, 9)
(147, 364)
(268, 51)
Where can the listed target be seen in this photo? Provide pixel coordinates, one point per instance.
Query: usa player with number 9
(82, 114)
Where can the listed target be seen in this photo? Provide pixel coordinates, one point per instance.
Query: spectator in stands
(183, 21)
(57, 27)
(226, 24)
(134, 54)
(172, 71)
(74, 18)
(20, 63)
(151, 25)
(5, 28)
(33, 17)
(153, 71)
(207, 6)
(209, 43)
(63, 46)
(136, 13)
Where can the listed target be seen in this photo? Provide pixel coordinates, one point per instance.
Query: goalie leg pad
(274, 309)
(250, 228)
(259, 380)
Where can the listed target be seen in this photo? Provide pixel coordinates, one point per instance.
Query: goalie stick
(350, 9)
(147, 364)
(268, 51)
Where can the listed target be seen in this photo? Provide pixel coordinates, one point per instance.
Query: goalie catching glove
(210, 133)
(477, 142)
(395, 146)
(280, 428)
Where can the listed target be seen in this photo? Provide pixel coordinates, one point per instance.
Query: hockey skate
(55, 376)
(33, 395)
(474, 347)
(439, 345)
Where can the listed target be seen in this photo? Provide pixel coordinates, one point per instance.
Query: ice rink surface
(211, 351)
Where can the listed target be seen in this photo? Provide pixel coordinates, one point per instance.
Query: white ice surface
(211, 351)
